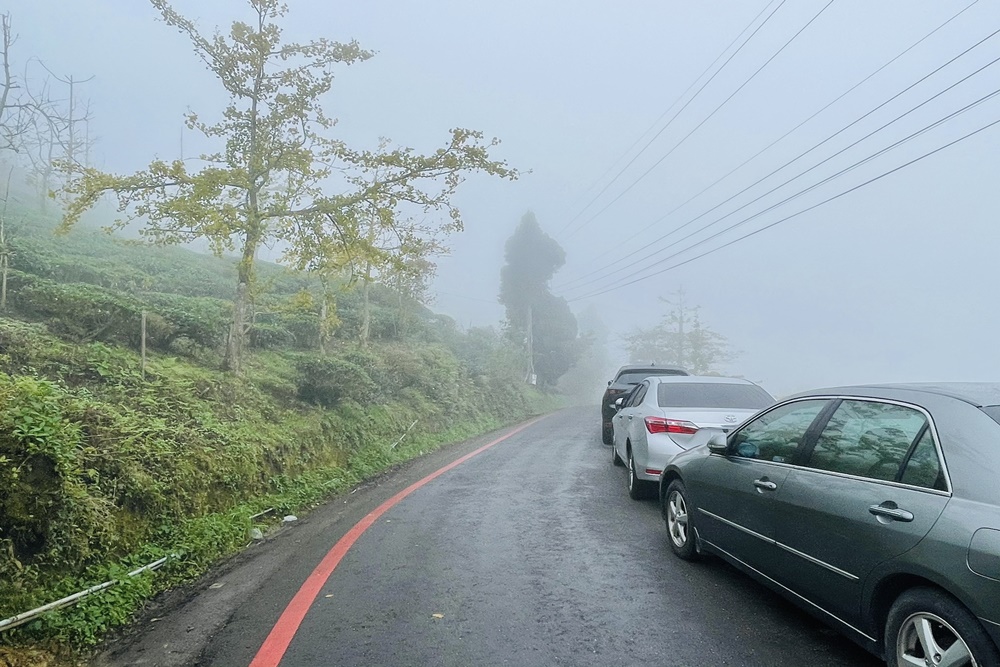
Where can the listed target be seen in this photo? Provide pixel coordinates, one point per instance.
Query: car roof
(643, 367)
(978, 394)
(700, 379)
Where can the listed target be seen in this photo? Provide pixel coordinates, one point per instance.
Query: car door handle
(765, 483)
(889, 509)
(630, 417)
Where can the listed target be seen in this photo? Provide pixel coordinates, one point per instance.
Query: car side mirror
(718, 443)
(619, 403)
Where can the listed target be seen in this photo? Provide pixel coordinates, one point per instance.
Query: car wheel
(929, 627)
(607, 433)
(680, 527)
(615, 459)
(637, 488)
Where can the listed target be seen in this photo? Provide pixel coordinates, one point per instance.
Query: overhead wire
(777, 187)
(628, 255)
(805, 210)
(638, 279)
(679, 111)
(662, 116)
(705, 120)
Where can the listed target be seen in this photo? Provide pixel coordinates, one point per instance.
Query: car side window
(640, 393)
(630, 398)
(924, 467)
(777, 434)
(627, 398)
(867, 439)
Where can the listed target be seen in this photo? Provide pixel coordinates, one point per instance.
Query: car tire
(607, 433)
(951, 627)
(638, 489)
(678, 516)
(615, 459)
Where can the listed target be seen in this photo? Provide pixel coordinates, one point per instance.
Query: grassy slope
(102, 469)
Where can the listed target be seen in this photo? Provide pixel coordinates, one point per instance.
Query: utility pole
(71, 148)
(73, 145)
(531, 378)
(86, 139)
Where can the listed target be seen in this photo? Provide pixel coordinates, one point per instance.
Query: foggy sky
(894, 282)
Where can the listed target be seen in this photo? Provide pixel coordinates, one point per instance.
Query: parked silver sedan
(876, 508)
(663, 414)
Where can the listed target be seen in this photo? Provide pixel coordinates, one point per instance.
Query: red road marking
(273, 649)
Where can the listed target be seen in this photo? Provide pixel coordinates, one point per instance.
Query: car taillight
(661, 425)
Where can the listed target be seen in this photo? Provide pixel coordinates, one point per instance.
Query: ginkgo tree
(281, 177)
(400, 245)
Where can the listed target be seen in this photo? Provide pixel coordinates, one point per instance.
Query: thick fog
(895, 281)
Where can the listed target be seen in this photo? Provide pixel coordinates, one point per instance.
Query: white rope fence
(405, 433)
(20, 619)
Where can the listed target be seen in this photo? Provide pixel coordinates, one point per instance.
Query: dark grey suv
(876, 508)
(625, 380)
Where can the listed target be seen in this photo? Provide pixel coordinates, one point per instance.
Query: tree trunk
(5, 263)
(235, 343)
(233, 361)
(43, 187)
(5, 250)
(366, 312)
(398, 325)
(323, 312)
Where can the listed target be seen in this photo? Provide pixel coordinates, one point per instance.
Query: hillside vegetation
(106, 466)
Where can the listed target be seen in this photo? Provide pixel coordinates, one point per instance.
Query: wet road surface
(530, 553)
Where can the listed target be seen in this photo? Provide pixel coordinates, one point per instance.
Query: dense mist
(791, 167)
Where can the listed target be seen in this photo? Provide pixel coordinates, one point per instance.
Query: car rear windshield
(712, 395)
(992, 411)
(635, 377)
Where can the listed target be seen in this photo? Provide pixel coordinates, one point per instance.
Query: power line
(820, 183)
(627, 256)
(679, 111)
(706, 119)
(805, 210)
(810, 208)
(661, 117)
(794, 178)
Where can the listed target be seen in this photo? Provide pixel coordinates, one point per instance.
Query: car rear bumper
(660, 450)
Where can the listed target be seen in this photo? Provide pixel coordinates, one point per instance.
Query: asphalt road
(530, 553)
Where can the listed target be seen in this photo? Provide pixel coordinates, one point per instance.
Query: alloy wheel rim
(631, 471)
(677, 522)
(927, 640)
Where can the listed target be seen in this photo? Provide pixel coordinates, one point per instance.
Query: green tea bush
(202, 320)
(265, 336)
(327, 381)
(105, 466)
(82, 313)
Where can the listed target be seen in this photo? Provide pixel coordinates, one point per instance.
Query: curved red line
(273, 649)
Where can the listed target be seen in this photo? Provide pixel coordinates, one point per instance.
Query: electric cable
(705, 120)
(662, 116)
(654, 253)
(627, 256)
(805, 210)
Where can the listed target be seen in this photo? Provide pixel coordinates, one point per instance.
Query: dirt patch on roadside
(33, 657)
